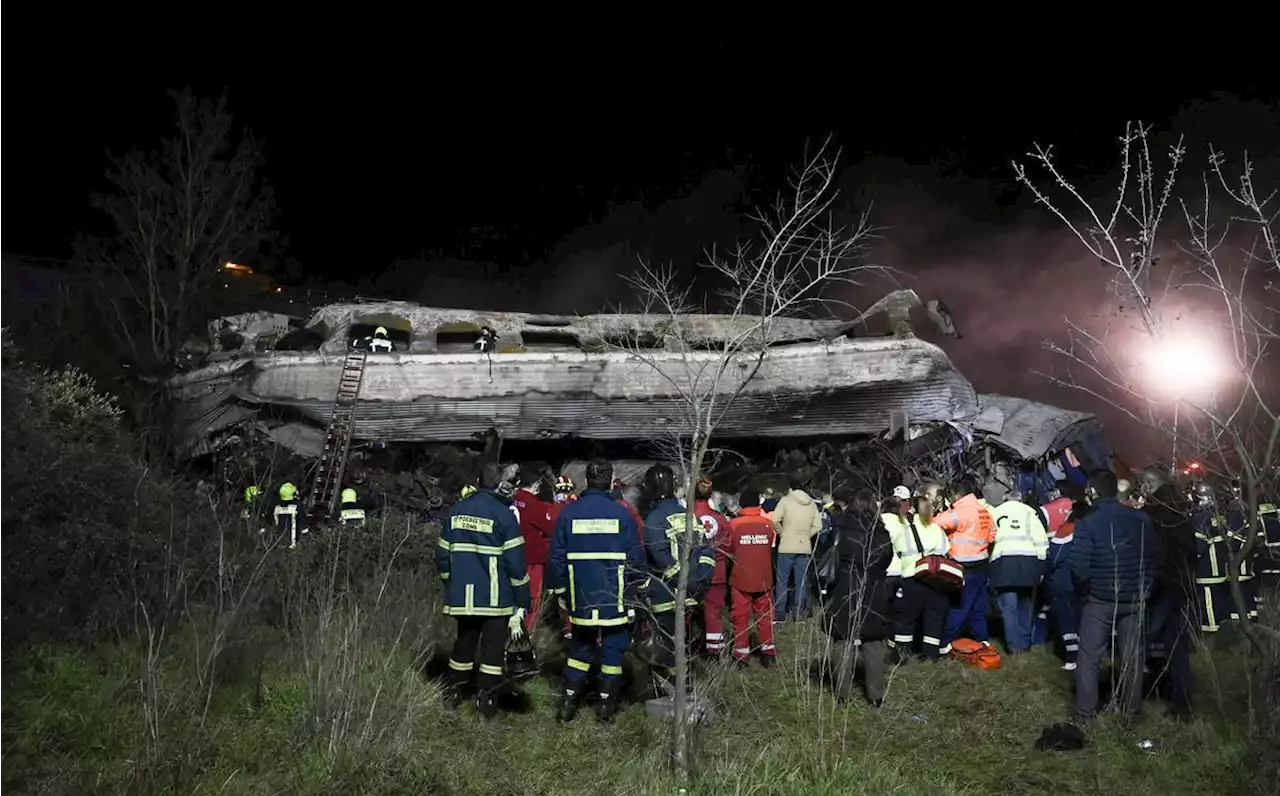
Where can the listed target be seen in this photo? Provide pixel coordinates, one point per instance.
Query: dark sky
(577, 154)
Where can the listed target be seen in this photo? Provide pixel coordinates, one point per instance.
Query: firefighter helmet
(381, 331)
(349, 496)
(564, 485)
(288, 491)
(468, 491)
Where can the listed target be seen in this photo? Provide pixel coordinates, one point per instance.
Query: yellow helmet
(468, 491)
(288, 491)
(250, 493)
(381, 331)
(348, 496)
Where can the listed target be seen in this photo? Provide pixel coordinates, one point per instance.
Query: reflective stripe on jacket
(664, 539)
(970, 529)
(480, 556)
(932, 537)
(1021, 544)
(596, 559)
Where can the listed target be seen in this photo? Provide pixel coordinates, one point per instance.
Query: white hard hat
(901, 492)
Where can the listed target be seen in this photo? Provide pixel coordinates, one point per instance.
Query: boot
(454, 691)
(607, 706)
(569, 705)
(487, 705)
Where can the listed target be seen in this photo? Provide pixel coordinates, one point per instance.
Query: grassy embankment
(333, 699)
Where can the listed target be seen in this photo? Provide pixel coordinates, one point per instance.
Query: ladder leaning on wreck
(337, 442)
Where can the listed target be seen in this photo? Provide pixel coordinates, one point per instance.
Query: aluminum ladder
(327, 485)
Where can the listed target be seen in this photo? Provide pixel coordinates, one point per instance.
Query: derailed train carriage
(610, 382)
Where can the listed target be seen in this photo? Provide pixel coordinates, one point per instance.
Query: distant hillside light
(237, 268)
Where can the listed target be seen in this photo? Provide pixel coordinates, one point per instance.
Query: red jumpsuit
(536, 526)
(750, 547)
(715, 526)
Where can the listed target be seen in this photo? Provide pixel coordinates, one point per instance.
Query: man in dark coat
(858, 608)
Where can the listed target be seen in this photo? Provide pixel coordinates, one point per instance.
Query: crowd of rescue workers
(1130, 572)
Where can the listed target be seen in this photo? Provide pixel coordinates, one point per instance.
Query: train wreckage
(454, 374)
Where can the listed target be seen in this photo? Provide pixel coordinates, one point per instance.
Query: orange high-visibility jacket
(970, 529)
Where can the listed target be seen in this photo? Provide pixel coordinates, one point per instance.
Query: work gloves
(515, 625)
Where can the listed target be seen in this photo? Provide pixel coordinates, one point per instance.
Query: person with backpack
(857, 614)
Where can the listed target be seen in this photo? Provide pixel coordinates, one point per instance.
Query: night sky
(564, 160)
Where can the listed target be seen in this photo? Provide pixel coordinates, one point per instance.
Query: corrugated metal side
(1030, 428)
(851, 410)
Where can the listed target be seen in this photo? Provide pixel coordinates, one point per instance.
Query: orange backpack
(975, 653)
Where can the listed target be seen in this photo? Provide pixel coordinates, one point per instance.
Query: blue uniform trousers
(612, 642)
(971, 607)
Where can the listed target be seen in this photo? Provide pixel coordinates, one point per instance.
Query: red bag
(975, 653)
(937, 572)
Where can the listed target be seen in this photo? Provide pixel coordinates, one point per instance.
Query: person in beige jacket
(797, 521)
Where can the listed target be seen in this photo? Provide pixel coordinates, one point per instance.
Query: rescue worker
(748, 543)
(1057, 510)
(537, 524)
(715, 527)
(666, 545)
(480, 557)
(564, 489)
(1269, 540)
(970, 531)
(1212, 558)
(597, 559)
(380, 343)
(351, 511)
(251, 509)
(920, 605)
(1017, 568)
(289, 518)
(1064, 608)
(893, 574)
(1237, 531)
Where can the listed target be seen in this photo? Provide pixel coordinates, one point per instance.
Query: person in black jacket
(858, 609)
(1168, 628)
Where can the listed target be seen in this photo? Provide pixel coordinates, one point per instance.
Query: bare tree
(800, 253)
(178, 213)
(1194, 287)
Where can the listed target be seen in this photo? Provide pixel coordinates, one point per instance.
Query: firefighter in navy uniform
(1213, 593)
(480, 557)
(595, 563)
(1237, 529)
(664, 539)
(1269, 552)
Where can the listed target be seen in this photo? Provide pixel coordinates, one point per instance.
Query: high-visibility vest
(933, 538)
(1019, 531)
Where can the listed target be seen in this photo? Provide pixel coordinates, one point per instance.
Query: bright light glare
(1184, 366)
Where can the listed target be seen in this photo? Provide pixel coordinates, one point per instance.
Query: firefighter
(1237, 534)
(665, 545)
(351, 510)
(715, 528)
(480, 557)
(1269, 539)
(596, 561)
(380, 343)
(1212, 558)
(563, 490)
(289, 518)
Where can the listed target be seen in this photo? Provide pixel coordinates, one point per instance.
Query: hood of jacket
(798, 496)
